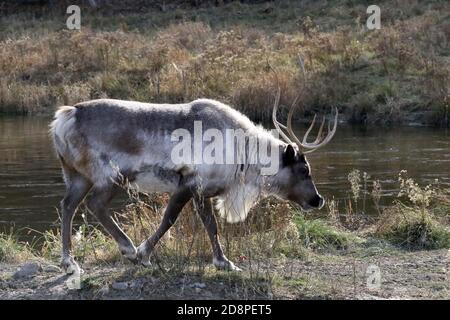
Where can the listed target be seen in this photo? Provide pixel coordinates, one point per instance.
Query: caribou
(101, 142)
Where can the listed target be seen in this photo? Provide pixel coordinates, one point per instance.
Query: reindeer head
(294, 181)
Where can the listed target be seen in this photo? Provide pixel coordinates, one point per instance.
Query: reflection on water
(31, 185)
(30, 179)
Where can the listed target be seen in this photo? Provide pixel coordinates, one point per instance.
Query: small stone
(58, 290)
(198, 290)
(52, 268)
(120, 285)
(199, 285)
(28, 270)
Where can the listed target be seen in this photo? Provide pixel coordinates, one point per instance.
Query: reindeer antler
(291, 137)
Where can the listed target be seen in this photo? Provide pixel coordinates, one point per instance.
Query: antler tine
(329, 136)
(274, 116)
(276, 123)
(282, 126)
(333, 131)
(293, 138)
(319, 134)
(305, 144)
(289, 121)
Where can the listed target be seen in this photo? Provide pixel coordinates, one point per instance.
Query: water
(382, 153)
(31, 185)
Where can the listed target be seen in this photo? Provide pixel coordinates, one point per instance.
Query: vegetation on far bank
(175, 53)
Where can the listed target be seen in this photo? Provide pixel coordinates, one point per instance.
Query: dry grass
(419, 222)
(268, 232)
(273, 234)
(12, 250)
(411, 229)
(223, 53)
(418, 219)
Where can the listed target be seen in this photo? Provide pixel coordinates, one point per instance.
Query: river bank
(342, 275)
(178, 53)
(401, 254)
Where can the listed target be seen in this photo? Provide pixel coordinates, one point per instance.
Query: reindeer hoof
(225, 264)
(130, 253)
(133, 260)
(146, 263)
(69, 266)
(142, 256)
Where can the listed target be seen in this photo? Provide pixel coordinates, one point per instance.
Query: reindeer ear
(289, 155)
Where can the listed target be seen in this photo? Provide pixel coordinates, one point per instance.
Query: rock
(28, 270)
(199, 285)
(198, 290)
(58, 291)
(52, 268)
(120, 285)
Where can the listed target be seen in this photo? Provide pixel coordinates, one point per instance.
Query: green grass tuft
(318, 234)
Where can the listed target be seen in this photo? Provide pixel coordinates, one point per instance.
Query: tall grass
(418, 219)
(421, 221)
(274, 234)
(12, 250)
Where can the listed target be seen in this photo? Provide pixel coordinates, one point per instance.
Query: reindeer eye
(303, 171)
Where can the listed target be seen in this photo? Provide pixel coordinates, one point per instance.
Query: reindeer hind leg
(77, 187)
(98, 206)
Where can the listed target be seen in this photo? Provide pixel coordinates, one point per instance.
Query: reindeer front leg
(205, 211)
(176, 204)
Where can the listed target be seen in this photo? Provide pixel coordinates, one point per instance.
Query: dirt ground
(371, 272)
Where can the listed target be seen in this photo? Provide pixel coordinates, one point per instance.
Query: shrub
(419, 221)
